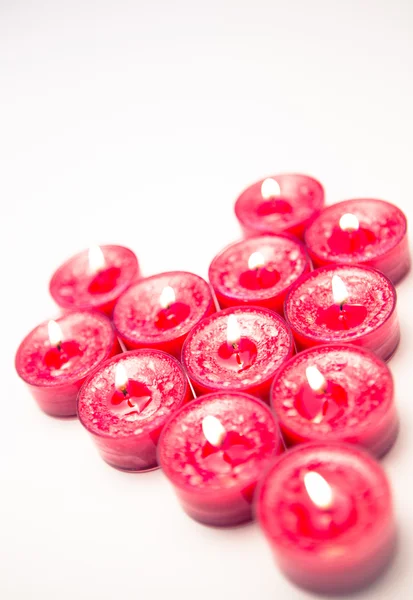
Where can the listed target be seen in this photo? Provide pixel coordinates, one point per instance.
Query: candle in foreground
(240, 348)
(361, 231)
(214, 450)
(327, 513)
(336, 393)
(94, 279)
(159, 311)
(55, 358)
(126, 402)
(279, 204)
(344, 303)
(258, 271)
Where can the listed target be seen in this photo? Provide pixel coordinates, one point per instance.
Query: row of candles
(125, 349)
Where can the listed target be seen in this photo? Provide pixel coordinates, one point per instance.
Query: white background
(139, 123)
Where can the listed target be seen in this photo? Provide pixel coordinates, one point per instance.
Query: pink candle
(159, 311)
(237, 349)
(327, 513)
(258, 271)
(214, 450)
(55, 358)
(336, 393)
(94, 279)
(361, 231)
(344, 303)
(279, 204)
(126, 402)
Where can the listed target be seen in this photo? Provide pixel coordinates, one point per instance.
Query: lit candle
(344, 303)
(55, 358)
(237, 349)
(214, 450)
(126, 402)
(94, 279)
(327, 513)
(279, 204)
(159, 311)
(336, 393)
(258, 271)
(361, 231)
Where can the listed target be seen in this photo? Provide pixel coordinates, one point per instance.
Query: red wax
(212, 364)
(75, 286)
(368, 318)
(55, 375)
(300, 199)
(126, 425)
(142, 322)
(339, 546)
(355, 406)
(380, 241)
(234, 283)
(215, 484)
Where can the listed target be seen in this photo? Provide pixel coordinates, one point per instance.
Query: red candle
(327, 513)
(159, 311)
(55, 358)
(336, 393)
(344, 303)
(361, 231)
(258, 271)
(126, 402)
(94, 279)
(240, 348)
(279, 204)
(214, 450)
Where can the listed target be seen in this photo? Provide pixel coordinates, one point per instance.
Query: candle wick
(59, 346)
(124, 391)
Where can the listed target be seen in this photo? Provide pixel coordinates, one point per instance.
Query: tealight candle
(126, 402)
(159, 311)
(240, 348)
(94, 279)
(214, 450)
(280, 204)
(361, 231)
(55, 358)
(336, 393)
(344, 303)
(327, 513)
(258, 271)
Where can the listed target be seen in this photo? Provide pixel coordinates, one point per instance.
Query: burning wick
(316, 380)
(121, 379)
(167, 297)
(256, 261)
(213, 431)
(96, 259)
(318, 490)
(349, 222)
(55, 334)
(270, 189)
(340, 292)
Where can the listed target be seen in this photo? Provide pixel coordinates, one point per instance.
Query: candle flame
(270, 188)
(349, 222)
(121, 377)
(55, 333)
(96, 259)
(213, 430)
(233, 330)
(255, 261)
(340, 292)
(318, 489)
(167, 297)
(316, 380)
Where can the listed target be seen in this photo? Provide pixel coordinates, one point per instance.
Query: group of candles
(279, 356)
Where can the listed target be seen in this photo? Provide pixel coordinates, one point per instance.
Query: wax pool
(215, 478)
(327, 513)
(125, 420)
(159, 311)
(279, 204)
(94, 279)
(361, 231)
(55, 371)
(367, 317)
(349, 399)
(217, 357)
(258, 271)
